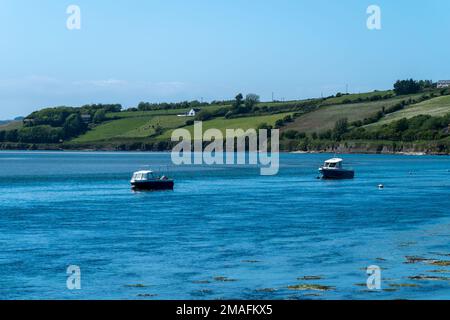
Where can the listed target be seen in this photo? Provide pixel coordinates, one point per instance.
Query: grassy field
(439, 106)
(144, 126)
(238, 123)
(137, 127)
(325, 117)
(113, 129)
(165, 122)
(354, 96)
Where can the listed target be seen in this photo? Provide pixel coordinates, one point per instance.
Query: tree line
(54, 125)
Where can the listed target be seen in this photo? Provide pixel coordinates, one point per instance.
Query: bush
(293, 134)
(74, 126)
(279, 123)
(410, 86)
(264, 126)
(54, 117)
(221, 112)
(99, 116)
(326, 135)
(340, 127)
(204, 116)
(40, 134)
(288, 118)
(421, 127)
(229, 114)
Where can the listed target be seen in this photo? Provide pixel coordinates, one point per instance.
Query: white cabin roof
(143, 172)
(334, 160)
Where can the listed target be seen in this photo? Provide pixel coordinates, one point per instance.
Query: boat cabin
(147, 180)
(335, 163)
(143, 176)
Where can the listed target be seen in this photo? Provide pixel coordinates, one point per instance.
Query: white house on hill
(191, 113)
(443, 84)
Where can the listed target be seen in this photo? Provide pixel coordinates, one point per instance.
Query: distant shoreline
(111, 150)
(369, 152)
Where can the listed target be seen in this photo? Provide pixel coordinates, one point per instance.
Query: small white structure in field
(190, 113)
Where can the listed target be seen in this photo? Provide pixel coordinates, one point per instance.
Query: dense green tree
(251, 100)
(401, 125)
(410, 86)
(290, 134)
(40, 134)
(54, 117)
(12, 135)
(238, 100)
(74, 126)
(99, 116)
(279, 123)
(264, 126)
(93, 108)
(340, 127)
(203, 116)
(293, 134)
(147, 106)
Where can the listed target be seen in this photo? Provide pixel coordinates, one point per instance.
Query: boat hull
(336, 174)
(153, 185)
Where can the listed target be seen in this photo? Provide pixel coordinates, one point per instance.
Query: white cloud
(101, 83)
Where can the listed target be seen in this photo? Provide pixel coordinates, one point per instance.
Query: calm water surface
(222, 223)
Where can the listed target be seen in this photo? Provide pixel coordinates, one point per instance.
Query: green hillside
(435, 107)
(245, 123)
(324, 118)
(378, 120)
(11, 126)
(130, 127)
(357, 96)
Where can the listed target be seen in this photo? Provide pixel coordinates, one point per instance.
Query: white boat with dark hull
(147, 180)
(332, 169)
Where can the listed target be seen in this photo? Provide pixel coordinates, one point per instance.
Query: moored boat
(332, 169)
(147, 180)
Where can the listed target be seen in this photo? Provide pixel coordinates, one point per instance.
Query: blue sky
(173, 50)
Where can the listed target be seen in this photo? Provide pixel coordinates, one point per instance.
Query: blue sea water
(225, 232)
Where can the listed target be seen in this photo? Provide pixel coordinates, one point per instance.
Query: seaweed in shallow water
(429, 278)
(201, 281)
(266, 290)
(314, 287)
(138, 285)
(416, 259)
(224, 279)
(308, 278)
(403, 285)
(440, 263)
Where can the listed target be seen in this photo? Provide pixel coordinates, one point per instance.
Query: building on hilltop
(86, 118)
(443, 84)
